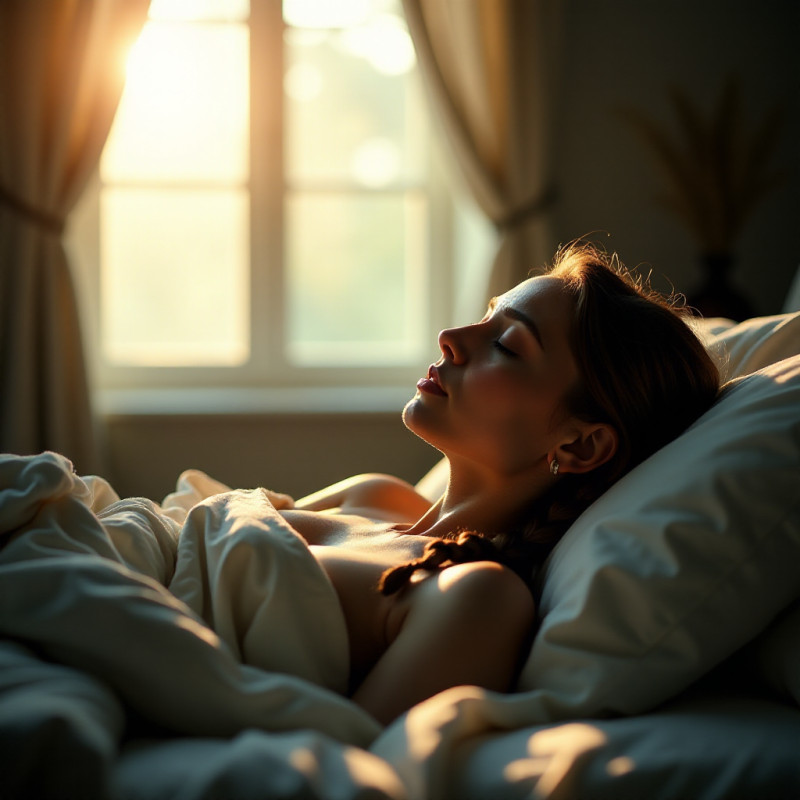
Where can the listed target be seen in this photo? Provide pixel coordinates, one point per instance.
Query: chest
(354, 551)
(353, 531)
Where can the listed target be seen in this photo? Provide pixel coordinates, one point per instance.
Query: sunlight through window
(174, 212)
(264, 209)
(356, 162)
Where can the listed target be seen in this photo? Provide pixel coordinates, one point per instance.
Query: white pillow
(687, 558)
(752, 344)
(433, 483)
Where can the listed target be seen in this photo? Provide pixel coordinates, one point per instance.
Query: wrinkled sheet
(93, 636)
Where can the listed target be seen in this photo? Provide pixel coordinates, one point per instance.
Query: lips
(431, 384)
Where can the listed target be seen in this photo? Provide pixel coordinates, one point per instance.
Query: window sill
(249, 401)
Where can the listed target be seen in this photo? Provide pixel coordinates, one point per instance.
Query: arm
(467, 625)
(368, 492)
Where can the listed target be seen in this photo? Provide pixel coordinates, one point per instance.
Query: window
(267, 211)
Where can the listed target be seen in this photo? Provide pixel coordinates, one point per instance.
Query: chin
(429, 421)
(414, 419)
(409, 413)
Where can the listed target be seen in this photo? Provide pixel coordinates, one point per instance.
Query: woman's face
(495, 397)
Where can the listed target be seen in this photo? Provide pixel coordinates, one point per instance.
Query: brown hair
(642, 370)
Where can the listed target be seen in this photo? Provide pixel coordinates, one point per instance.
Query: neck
(475, 500)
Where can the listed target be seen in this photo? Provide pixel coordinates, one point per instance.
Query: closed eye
(503, 349)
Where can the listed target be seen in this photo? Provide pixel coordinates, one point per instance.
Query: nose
(452, 345)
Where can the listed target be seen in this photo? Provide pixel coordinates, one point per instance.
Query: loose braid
(456, 549)
(643, 371)
(519, 553)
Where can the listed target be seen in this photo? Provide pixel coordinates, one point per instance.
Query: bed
(143, 657)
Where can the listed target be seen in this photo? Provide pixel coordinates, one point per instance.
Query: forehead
(548, 305)
(544, 294)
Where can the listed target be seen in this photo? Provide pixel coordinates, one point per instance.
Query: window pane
(175, 277)
(356, 278)
(185, 109)
(354, 109)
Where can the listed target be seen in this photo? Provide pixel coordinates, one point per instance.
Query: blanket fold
(251, 577)
(51, 709)
(82, 582)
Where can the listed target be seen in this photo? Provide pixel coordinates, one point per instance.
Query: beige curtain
(491, 68)
(61, 76)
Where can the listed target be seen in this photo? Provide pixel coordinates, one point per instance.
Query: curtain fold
(491, 68)
(61, 76)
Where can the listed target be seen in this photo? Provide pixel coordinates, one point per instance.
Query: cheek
(494, 388)
(508, 410)
(519, 415)
(508, 399)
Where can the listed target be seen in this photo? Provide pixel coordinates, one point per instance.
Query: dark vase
(716, 296)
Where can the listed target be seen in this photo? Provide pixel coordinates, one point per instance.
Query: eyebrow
(521, 317)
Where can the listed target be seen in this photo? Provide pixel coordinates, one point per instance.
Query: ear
(592, 446)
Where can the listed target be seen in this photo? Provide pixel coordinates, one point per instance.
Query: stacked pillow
(752, 344)
(692, 554)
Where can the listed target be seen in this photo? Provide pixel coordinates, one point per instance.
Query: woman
(568, 382)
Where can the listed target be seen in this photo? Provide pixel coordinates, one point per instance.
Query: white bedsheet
(91, 625)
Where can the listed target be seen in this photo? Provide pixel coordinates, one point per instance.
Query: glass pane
(184, 114)
(175, 277)
(355, 278)
(354, 107)
(213, 10)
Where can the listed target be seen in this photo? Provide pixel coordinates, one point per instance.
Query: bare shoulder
(386, 493)
(477, 589)
(372, 495)
(466, 624)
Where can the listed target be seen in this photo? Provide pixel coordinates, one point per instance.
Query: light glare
(303, 82)
(376, 163)
(384, 43)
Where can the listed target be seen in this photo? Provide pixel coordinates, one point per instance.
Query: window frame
(267, 380)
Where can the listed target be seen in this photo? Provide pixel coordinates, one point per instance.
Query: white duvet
(149, 650)
(115, 610)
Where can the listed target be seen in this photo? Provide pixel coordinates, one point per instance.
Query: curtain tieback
(526, 211)
(50, 222)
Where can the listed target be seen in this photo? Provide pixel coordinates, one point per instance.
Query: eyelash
(497, 343)
(503, 349)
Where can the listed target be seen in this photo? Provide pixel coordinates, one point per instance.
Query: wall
(291, 453)
(628, 52)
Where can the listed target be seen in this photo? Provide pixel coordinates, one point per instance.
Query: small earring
(554, 466)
